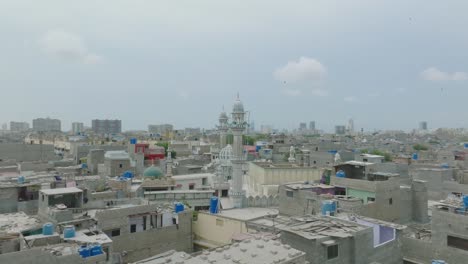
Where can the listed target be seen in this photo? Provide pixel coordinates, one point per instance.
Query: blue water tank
(438, 262)
(465, 145)
(96, 250)
(328, 207)
(84, 251)
(257, 148)
(21, 179)
(444, 166)
(340, 174)
(133, 141)
(179, 207)
(465, 201)
(415, 156)
(128, 174)
(69, 232)
(48, 229)
(84, 165)
(214, 205)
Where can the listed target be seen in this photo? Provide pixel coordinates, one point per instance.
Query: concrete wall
(434, 179)
(216, 229)
(27, 152)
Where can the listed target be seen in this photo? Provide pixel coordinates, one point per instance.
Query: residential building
(162, 130)
(77, 128)
(19, 126)
(340, 130)
(106, 126)
(46, 125)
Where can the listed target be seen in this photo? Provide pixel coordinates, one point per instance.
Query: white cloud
(67, 46)
(350, 99)
(292, 92)
(304, 69)
(434, 74)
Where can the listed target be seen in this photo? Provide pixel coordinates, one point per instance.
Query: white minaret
(169, 162)
(223, 128)
(238, 126)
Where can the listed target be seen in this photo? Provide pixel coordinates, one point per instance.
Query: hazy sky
(387, 64)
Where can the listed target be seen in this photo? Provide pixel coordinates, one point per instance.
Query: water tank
(69, 232)
(415, 156)
(465, 145)
(84, 251)
(214, 205)
(438, 262)
(48, 229)
(340, 174)
(444, 166)
(133, 141)
(328, 207)
(21, 179)
(96, 250)
(465, 201)
(128, 174)
(179, 207)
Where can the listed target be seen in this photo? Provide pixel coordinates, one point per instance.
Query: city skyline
(173, 63)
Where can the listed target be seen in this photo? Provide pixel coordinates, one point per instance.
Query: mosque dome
(238, 107)
(153, 172)
(223, 116)
(226, 153)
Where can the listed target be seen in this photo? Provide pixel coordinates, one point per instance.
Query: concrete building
(19, 126)
(116, 163)
(77, 128)
(46, 125)
(346, 239)
(163, 129)
(27, 152)
(302, 127)
(312, 126)
(340, 130)
(255, 251)
(423, 125)
(106, 126)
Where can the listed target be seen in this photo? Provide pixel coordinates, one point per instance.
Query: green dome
(153, 172)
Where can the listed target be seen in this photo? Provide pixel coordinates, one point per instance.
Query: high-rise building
(340, 130)
(302, 126)
(312, 125)
(46, 125)
(106, 126)
(19, 126)
(423, 125)
(350, 125)
(77, 128)
(162, 129)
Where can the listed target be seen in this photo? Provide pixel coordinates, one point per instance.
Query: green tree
(165, 145)
(420, 147)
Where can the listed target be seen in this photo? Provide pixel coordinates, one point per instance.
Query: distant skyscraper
(351, 125)
(423, 125)
(77, 128)
(252, 126)
(46, 125)
(302, 126)
(340, 130)
(19, 126)
(4, 126)
(312, 125)
(163, 129)
(107, 126)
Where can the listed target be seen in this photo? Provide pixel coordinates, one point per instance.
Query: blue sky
(386, 64)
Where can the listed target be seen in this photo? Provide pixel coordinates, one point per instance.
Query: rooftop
(249, 213)
(17, 222)
(306, 185)
(192, 176)
(61, 191)
(356, 163)
(252, 251)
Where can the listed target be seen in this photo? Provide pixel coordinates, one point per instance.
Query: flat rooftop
(356, 163)
(303, 185)
(61, 191)
(192, 176)
(253, 251)
(17, 222)
(246, 214)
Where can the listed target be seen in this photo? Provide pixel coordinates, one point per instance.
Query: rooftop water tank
(96, 250)
(128, 174)
(84, 251)
(48, 229)
(438, 262)
(179, 207)
(465, 201)
(214, 205)
(465, 145)
(69, 232)
(340, 174)
(133, 141)
(415, 156)
(444, 166)
(328, 207)
(21, 179)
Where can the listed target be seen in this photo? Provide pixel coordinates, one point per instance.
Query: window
(191, 186)
(224, 193)
(120, 165)
(289, 194)
(365, 160)
(370, 199)
(390, 201)
(219, 222)
(132, 228)
(457, 242)
(115, 232)
(332, 252)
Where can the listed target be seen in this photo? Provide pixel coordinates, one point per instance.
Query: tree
(165, 145)
(420, 147)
